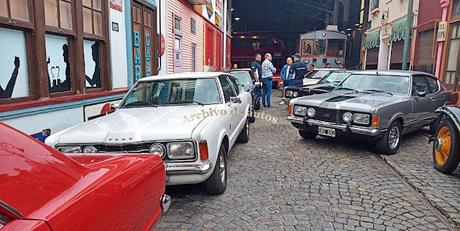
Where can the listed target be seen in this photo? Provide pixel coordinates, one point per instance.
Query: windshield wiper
(140, 104)
(191, 101)
(379, 91)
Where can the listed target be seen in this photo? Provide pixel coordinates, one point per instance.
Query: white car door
(245, 101)
(231, 117)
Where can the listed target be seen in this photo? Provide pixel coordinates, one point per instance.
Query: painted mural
(57, 52)
(14, 80)
(92, 64)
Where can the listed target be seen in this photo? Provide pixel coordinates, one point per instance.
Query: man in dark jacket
(256, 69)
(298, 71)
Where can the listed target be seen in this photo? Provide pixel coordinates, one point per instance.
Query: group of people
(292, 74)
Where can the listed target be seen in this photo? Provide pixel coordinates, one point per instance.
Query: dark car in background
(325, 85)
(248, 83)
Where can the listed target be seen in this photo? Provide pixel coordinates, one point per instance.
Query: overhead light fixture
(349, 29)
(357, 24)
(232, 9)
(237, 19)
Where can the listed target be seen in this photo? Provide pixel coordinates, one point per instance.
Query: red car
(42, 189)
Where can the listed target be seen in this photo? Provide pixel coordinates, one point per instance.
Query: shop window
(92, 55)
(451, 78)
(307, 47)
(58, 63)
(93, 18)
(14, 77)
(456, 8)
(177, 23)
(16, 12)
(59, 14)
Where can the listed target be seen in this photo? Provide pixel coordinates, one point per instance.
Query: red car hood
(39, 182)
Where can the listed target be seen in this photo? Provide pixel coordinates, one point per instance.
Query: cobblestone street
(278, 181)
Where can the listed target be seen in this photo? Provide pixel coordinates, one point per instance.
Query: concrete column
(383, 55)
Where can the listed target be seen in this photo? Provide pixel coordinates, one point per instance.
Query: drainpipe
(445, 7)
(408, 34)
(224, 65)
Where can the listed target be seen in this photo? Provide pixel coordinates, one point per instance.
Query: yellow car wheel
(446, 154)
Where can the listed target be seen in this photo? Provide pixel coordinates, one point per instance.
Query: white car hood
(135, 125)
(307, 81)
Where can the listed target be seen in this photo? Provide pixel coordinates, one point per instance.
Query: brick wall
(178, 8)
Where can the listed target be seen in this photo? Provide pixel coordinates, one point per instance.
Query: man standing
(267, 75)
(256, 69)
(298, 71)
(285, 76)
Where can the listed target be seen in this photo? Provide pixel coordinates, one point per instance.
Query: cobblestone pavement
(278, 181)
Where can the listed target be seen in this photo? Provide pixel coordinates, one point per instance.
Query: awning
(398, 30)
(372, 40)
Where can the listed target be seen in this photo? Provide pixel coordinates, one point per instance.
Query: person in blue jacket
(285, 75)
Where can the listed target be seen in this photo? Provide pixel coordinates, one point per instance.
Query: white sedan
(191, 120)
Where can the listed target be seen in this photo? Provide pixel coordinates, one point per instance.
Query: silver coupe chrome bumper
(368, 131)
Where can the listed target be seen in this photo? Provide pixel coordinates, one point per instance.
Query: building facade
(450, 65)
(63, 62)
(386, 33)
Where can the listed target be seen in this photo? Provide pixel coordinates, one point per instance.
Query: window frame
(10, 22)
(59, 30)
(222, 87)
(412, 85)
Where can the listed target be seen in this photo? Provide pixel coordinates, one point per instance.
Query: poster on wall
(14, 81)
(57, 52)
(94, 111)
(92, 64)
(116, 5)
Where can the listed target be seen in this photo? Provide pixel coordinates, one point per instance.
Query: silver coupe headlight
(300, 111)
(69, 149)
(311, 112)
(347, 117)
(288, 93)
(181, 151)
(363, 119)
(90, 149)
(157, 149)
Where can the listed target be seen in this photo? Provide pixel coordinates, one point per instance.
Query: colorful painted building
(63, 62)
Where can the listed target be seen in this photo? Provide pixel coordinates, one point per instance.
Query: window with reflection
(59, 14)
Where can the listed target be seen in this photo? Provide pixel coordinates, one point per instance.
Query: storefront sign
(147, 54)
(442, 29)
(116, 5)
(137, 56)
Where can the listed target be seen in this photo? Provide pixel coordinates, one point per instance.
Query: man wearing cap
(298, 71)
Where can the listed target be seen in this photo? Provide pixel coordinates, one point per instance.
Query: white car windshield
(334, 77)
(398, 85)
(173, 92)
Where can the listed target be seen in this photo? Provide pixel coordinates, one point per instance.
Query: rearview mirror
(235, 100)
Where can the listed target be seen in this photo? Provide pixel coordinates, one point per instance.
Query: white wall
(118, 49)
(56, 121)
(163, 29)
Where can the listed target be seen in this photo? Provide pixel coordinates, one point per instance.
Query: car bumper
(187, 173)
(300, 123)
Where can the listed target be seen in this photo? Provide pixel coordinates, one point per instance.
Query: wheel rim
(393, 137)
(222, 166)
(443, 145)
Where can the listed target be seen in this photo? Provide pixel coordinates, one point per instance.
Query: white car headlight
(300, 111)
(69, 149)
(157, 149)
(288, 93)
(347, 117)
(181, 150)
(90, 149)
(295, 94)
(311, 112)
(363, 119)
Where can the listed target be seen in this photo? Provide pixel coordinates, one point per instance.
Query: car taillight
(204, 150)
(375, 121)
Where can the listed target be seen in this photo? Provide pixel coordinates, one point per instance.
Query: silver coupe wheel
(394, 136)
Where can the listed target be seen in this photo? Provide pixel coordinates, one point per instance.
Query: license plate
(326, 131)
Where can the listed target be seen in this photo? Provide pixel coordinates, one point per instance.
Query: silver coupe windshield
(173, 92)
(398, 85)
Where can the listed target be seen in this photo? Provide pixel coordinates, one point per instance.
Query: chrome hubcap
(438, 144)
(393, 139)
(222, 167)
(247, 128)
